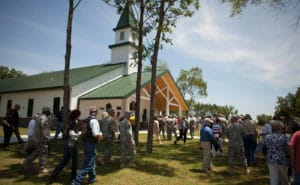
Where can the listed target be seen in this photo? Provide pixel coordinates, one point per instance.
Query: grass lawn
(22, 130)
(167, 165)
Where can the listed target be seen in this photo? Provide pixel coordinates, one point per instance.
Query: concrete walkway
(13, 139)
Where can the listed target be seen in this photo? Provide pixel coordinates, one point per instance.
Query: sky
(247, 60)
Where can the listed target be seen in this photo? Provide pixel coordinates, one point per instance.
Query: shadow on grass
(16, 172)
(156, 163)
(185, 154)
(155, 168)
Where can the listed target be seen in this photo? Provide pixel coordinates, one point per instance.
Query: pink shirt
(295, 142)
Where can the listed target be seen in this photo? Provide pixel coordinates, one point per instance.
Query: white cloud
(255, 52)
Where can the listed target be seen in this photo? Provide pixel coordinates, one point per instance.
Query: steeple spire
(127, 19)
(125, 47)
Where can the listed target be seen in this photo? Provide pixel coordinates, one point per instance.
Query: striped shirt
(217, 129)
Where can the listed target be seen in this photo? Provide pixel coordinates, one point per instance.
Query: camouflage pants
(29, 146)
(192, 131)
(127, 145)
(41, 152)
(108, 147)
(163, 130)
(169, 134)
(236, 151)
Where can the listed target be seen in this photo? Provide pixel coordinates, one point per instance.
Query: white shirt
(95, 127)
(31, 126)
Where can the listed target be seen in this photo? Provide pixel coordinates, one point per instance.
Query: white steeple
(126, 42)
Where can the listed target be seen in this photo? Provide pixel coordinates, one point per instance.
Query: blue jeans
(297, 179)
(67, 153)
(89, 163)
(58, 129)
(250, 148)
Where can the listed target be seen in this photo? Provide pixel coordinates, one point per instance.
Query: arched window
(108, 106)
(132, 106)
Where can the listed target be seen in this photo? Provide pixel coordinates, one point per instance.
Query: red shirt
(295, 142)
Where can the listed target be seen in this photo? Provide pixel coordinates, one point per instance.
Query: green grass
(168, 164)
(22, 130)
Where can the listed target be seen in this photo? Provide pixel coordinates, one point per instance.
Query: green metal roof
(127, 18)
(55, 79)
(122, 87)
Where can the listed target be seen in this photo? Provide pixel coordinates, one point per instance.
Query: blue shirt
(206, 134)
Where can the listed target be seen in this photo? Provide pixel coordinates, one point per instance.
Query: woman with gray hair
(277, 154)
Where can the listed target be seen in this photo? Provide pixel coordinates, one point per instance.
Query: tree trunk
(153, 75)
(67, 65)
(139, 74)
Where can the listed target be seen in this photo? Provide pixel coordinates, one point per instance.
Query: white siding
(120, 54)
(45, 97)
(92, 84)
(40, 98)
(127, 36)
(85, 105)
(123, 103)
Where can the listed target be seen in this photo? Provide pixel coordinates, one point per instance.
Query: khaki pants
(278, 174)
(206, 164)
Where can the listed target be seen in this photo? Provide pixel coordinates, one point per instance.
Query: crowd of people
(280, 144)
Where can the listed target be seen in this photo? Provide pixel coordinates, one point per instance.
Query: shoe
(247, 171)
(26, 163)
(93, 181)
(131, 164)
(211, 169)
(175, 142)
(45, 170)
(204, 171)
(122, 166)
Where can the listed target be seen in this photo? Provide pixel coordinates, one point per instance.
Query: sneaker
(93, 181)
(204, 171)
(247, 171)
(45, 170)
(211, 169)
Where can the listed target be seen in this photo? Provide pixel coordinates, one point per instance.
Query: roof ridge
(52, 72)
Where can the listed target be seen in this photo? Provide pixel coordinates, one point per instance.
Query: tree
(6, 72)
(202, 109)
(142, 29)
(237, 6)
(263, 118)
(191, 83)
(161, 65)
(285, 107)
(167, 13)
(297, 103)
(66, 98)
